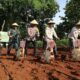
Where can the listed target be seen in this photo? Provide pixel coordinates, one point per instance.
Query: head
(15, 25)
(51, 23)
(78, 25)
(33, 23)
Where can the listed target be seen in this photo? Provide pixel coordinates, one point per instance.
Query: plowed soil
(35, 69)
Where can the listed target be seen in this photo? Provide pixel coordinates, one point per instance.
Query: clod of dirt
(21, 66)
(74, 73)
(34, 71)
(69, 67)
(78, 65)
(50, 77)
(35, 78)
(49, 74)
(63, 57)
(74, 78)
(53, 78)
(10, 77)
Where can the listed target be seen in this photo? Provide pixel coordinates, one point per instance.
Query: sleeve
(54, 34)
(37, 30)
(46, 32)
(74, 32)
(79, 32)
(9, 32)
(71, 33)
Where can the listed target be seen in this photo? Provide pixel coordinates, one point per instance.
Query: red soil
(33, 69)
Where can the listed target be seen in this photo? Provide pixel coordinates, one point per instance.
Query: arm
(10, 34)
(37, 31)
(78, 34)
(55, 35)
(74, 33)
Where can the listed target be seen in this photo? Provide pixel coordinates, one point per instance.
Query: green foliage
(73, 11)
(22, 30)
(21, 11)
(63, 42)
(16, 9)
(39, 44)
(63, 28)
(37, 4)
(72, 16)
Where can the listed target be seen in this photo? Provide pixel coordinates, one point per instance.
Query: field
(35, 69)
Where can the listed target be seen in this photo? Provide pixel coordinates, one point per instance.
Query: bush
(39, 44)
(63, 42)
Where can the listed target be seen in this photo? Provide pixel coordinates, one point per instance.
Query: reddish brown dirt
(32, 69)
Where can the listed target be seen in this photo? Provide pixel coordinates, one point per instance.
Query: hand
(43, 37)
(58, 38)
(10, 36)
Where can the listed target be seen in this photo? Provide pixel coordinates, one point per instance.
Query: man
(14, 38)
(74, 35)
(32, 34)
(49, 33)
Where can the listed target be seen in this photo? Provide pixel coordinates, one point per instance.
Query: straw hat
(51, 22)
(78, 23)
(15, 24)
(34, 22)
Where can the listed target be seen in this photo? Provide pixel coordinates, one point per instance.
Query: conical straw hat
(15, 24)
(34, 22)
(78, 23)
(51, 22)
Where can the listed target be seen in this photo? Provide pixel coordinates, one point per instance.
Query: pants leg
(26, 47)
(25, 53)
(17, 49)
(35, 49)
(55, 50)
(44, 44)
(71, 43)
(71, 46)
(9, 48)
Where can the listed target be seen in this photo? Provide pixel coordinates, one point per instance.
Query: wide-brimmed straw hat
(34, 22)
(15, 24)
(78, 23)
(51, 22)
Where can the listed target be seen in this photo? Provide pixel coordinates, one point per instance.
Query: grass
(63, 42)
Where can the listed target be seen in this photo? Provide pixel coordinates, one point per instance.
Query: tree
(72, 16)
(26, 10)
(73, 11)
